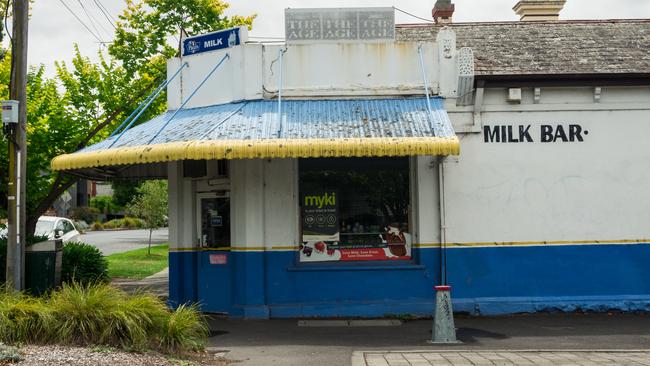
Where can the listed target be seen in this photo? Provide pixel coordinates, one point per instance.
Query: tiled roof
(558, 47)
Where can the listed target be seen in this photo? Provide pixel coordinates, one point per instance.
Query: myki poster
(320, 217)
(393, 244)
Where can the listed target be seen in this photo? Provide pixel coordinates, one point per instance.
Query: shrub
(87, 214)
(24, 318)
(97, 226)
(99, 314)
(105, 204)
(102, 314)
(81, 225)
(9, 354)
(125, 223)
(83, 263)
(184, 330)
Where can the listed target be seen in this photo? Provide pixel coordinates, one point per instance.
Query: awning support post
(143, 106)
(280, 86)
(189, 98)
(426, 85)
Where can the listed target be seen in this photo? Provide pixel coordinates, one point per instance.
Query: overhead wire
(413, 15)
(98, 2)
(81, 21)
(106, 14)
(92, 20)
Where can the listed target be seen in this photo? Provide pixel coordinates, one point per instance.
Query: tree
(88, 100)
(146, 26)
(151, 206)
(124, 191)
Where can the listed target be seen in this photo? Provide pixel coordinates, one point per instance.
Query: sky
(53, 29)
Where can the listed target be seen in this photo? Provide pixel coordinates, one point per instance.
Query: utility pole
(18, 150)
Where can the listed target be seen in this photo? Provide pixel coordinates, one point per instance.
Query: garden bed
(104, 356)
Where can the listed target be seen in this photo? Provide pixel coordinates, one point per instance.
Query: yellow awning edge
(259, 149)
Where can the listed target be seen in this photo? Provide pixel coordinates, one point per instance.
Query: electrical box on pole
(10, 112)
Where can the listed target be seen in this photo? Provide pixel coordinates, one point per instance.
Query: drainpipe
(443, 222)
(444, 330)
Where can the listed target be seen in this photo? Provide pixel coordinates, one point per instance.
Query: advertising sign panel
(214, 41)
(320, 217)
(339, 25)
(323, 242)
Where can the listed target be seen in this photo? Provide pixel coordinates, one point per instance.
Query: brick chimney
(539, 10)
(442, 11)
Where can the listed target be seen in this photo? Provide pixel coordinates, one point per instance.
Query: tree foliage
(87, 100)
(151, 205)
(146, 27)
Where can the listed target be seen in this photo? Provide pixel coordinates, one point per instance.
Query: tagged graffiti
(525, 133)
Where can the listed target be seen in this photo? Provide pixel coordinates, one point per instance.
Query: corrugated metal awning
(252, 129)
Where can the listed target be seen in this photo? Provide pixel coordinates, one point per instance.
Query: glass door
(214, 220)
(214, 277)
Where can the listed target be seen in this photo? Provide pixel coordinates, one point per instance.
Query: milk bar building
(316, 177)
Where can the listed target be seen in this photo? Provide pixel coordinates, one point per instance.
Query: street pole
(18, 150)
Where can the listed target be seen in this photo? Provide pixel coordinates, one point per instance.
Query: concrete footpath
(157, 284)
(489, 358)
(284, 342)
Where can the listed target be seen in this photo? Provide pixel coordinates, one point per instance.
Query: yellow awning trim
(259, 149)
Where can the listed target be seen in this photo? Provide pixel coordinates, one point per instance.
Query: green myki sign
(320, 216)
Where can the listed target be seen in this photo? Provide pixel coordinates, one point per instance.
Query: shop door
(215, 275)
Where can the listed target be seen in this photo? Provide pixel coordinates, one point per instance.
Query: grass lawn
(136, 264)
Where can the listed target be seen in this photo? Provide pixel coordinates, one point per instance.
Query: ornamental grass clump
(24, 318)
(184, 330)
(99, 314)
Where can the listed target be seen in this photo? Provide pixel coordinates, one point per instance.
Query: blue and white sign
(214, 41)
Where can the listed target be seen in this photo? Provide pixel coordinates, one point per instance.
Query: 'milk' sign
(339, 25)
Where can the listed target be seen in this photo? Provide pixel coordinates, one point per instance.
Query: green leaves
(149, 28)
(151, 204)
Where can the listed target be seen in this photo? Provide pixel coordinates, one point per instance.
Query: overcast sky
(54, 30)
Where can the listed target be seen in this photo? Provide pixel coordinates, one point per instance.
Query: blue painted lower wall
(485, 281)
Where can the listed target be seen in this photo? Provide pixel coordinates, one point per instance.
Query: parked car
(56, 228)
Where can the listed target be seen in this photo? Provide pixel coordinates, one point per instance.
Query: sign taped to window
(320, 216)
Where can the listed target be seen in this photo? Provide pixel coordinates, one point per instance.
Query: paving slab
(508, 357)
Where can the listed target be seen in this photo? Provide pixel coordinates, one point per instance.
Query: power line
(413, 15)
(105, 13)
(98, 2)
(81, 21)
(92, 20)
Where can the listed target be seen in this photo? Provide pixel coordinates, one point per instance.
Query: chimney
(442, 11)
(539, 10)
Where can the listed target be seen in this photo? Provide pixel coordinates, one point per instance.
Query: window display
(354, 209)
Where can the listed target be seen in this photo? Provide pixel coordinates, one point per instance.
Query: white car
(56, 228)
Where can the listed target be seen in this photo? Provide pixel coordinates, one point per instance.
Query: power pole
(18, 150)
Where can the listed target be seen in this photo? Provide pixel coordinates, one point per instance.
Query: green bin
(43, 266)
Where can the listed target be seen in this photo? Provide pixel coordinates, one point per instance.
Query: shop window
(354, 209)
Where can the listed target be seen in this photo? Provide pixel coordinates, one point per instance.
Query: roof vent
(539, 10)
(442, 11)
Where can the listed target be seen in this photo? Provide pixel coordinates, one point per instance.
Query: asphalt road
(282, 342)
(110, 242)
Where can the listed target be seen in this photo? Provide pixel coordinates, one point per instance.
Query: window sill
(379, 267)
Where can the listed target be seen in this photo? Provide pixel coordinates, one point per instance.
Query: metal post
(18, 150)
(280, 82)
(426, 85)
(145, 104)
(190, 97)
